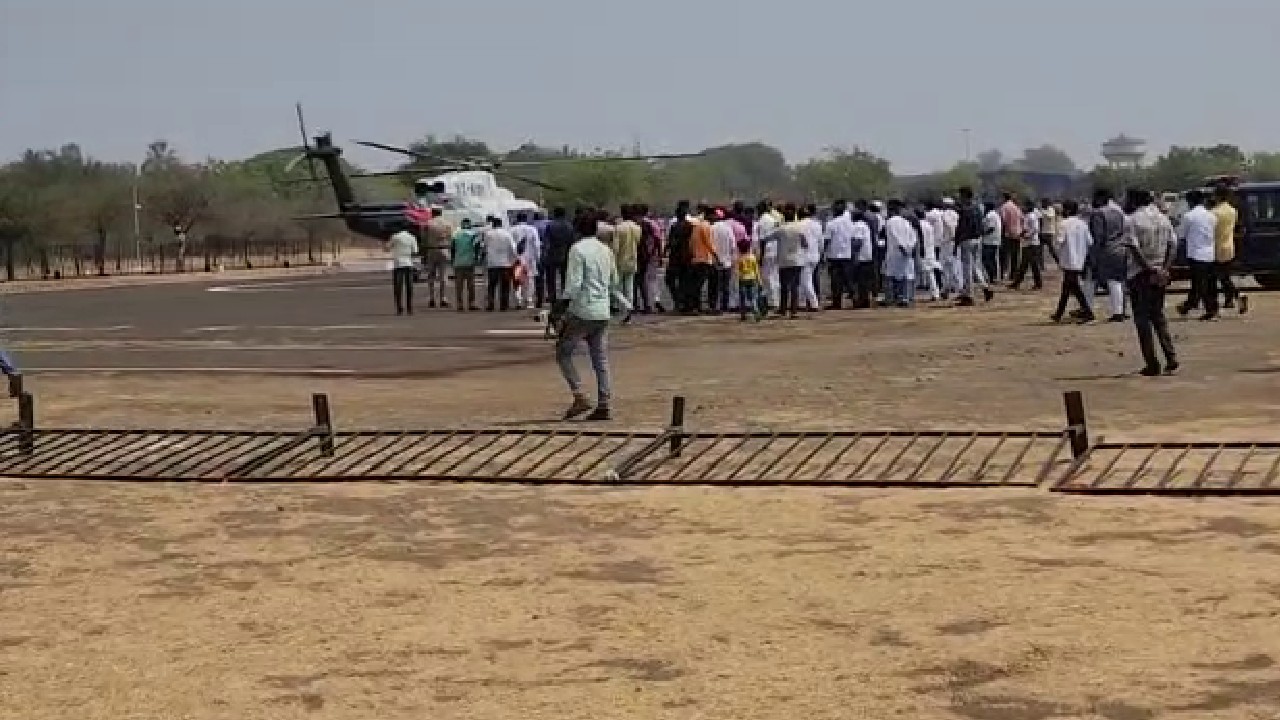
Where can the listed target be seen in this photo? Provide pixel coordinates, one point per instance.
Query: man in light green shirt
(465, 250)
(591, 279)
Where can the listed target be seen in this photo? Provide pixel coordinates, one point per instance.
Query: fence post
(1077, 423)
(677, 425)
(324, 423)
(15, 385)
(26, 423)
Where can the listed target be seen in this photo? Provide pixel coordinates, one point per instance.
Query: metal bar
(377, 459)
(144, 463)
(1238, 475)
(837, 457)
(403, 466)
(1271, 473)
(49, 448)
(677, 425)
(1199, 445)
(1016, 463)
(324, 422)
(725, 455)
(351, 456)
(457, 463)
(884, 439)
(27, 423)
(214, 444)
(464, 437)
(888, 469)
(1115, 459)
(600, 460)
(574, 458)
(805, 461)
(90, 464)
(954, 465)
(1136, 476)
(1077, 422)
(1047, 467)
(520, 457)
(1204, 471)
(92, 447)
(124, 457)
(764, 474)
(244, 463)
(548, 456)
(715, 440)
(927, 457)
(982, 467)
(629, 465)
(750, 459)
(1171, 472)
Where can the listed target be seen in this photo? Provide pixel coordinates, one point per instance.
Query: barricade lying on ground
(577, 453)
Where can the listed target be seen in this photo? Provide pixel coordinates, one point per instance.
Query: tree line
(62, 211)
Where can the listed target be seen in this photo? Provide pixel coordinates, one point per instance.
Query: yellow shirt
(748, 268)
(1224, 232)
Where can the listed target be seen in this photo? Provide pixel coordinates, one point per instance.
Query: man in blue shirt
(591, 283)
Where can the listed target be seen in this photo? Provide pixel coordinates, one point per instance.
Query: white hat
(948, 201)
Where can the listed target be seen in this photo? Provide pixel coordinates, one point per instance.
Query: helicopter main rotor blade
(411, 153)
(529, 180)
(306, 145)
(597, 159)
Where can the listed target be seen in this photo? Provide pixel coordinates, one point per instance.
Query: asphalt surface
(341, 325)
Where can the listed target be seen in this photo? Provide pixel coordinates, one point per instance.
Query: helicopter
(460, 188)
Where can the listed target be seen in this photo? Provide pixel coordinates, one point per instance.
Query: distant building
(1124, 153)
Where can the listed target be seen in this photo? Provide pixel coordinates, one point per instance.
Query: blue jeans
(7, 365)
(596, 333)
(749, 298)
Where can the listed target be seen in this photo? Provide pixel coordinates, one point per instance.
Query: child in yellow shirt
(748, 267)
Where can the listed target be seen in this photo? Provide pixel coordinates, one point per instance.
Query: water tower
(1124, 153)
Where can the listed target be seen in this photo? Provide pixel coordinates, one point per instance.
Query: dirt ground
(473, 601)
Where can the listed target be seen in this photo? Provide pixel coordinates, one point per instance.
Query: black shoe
(1085, 319)
(399, 311)
(599, 414)
(1117, 319)
(965, 302)
(579, 406)
(1172, 367)
(1055, 319)
(1208, 318)
(1183, 310)
(431, 304)
(987, 294)
(1150, 371)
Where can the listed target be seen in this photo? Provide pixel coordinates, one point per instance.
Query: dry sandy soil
(413, 601)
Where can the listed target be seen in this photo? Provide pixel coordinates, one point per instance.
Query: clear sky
(903, 78)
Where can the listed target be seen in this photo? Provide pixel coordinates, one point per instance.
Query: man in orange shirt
(1011, 224)
(704, 258)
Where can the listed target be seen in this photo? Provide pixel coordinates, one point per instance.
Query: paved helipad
(342, 325)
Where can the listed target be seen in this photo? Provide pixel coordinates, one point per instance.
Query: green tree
(844, 173)
(1046, 159)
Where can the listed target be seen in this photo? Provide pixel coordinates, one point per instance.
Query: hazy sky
(219, 77)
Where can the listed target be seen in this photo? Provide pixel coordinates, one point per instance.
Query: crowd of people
(774, 259)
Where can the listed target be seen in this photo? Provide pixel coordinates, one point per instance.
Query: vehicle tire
(1268, 282)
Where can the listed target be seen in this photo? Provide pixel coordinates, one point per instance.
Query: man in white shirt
(839, 252)
(1049, 228)
(812, 228)
(899, 260)
(766, 224)
(1196, 231)
(529, 247)
(863, 248)
(722, 236)
(992, 234)
(403, 248)
(500, 255)
(583, 312)
(949, 254)
(1073, 252)
(791, 247)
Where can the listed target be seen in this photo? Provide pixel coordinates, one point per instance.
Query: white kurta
(900, 242)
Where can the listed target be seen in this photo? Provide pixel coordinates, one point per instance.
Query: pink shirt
(1011, 219)
(739, 230)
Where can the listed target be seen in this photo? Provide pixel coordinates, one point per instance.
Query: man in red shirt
(1011, 221)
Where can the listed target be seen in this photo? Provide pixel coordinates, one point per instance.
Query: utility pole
(137, 216)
